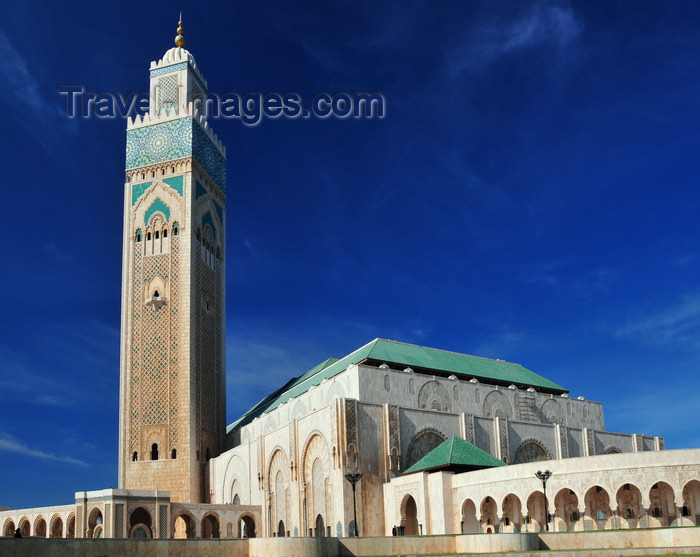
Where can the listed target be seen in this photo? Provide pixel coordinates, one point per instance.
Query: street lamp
(544, 476)
(353, 479)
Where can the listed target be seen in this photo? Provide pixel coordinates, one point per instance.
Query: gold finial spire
(180, 39)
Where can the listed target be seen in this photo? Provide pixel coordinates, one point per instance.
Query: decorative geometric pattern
(351, 423)
(173, 140)
(168, 90)
(154, 349)
(433, 396)
(496, 405)
(208, 156)
(163, 522)
(137, 190)
(118, 520)
(210, 379)
(469, 428)
(503, 435)
(158, 206)
(168, 69)
(564, 441)
(159, 142)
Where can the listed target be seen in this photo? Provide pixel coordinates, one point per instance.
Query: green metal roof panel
(460, 364)
(390, 351)
(455, 451)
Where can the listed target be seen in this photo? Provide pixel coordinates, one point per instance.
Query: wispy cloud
(41, 116)
(11, 444)
(677, 323)
(629, 411)
(544, 23)
(561, 274)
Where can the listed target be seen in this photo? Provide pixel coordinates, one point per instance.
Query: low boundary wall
(607, 543)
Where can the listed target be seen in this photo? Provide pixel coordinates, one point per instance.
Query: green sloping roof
(402, 355)
(455, 453)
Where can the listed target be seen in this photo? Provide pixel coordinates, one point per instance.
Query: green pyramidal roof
(455, 455)
(400, 355)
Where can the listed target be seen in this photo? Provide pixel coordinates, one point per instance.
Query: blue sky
(530, 195)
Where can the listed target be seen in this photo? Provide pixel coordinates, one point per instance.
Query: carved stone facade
(172, 416)
(382, 432)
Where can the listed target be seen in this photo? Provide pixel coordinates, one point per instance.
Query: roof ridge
(450, 352)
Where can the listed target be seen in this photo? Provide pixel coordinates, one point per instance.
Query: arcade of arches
(616, 491)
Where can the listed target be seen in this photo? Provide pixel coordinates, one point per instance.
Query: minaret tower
(172, 392)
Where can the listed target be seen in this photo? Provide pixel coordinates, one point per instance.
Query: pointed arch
(424, 441)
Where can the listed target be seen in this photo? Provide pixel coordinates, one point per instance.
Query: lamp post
(353, 479)
(544, 476)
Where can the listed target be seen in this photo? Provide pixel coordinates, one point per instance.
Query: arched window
(173, 454)
(157, 234)
(154, 451)
(138, 235)
(656, 512)
(176, 229)
(165, 233)
(135, 456)
(148, 236)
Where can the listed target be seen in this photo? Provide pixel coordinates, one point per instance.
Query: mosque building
(435, 442)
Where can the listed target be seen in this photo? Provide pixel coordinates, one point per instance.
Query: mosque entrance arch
(409, 516)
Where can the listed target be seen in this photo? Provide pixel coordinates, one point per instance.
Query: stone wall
(581, 544)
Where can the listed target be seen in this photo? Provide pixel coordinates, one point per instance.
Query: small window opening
(656, 512)
(165, 233)
(156, 294)
(629, 513)
(157, 234)
(134, 457)
(154, 451)
(507, 521)
(685, 511)
(148, 236)
(574, 516)
(173, 454)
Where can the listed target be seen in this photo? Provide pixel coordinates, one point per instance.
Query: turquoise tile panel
(174, 140)
(220, 212)
(176, 182)
(166, 69)
(208, 156)
(159, 143)
(137, 190)
(157, 205)
(207, 219)
(200, 190)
